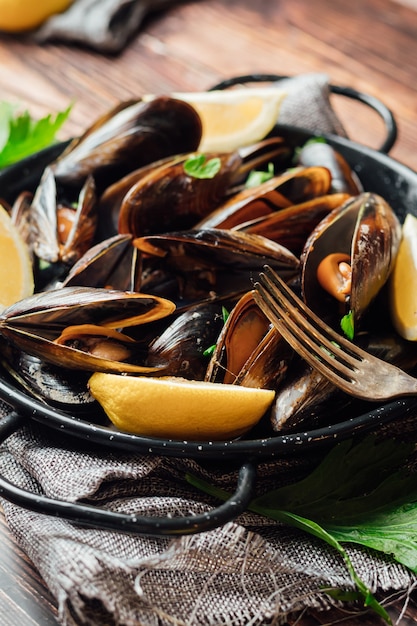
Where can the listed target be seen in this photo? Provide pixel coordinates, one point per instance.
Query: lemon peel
(16, 271)
(21, 15)
(175, 408)
(403, 282)
(234, 118)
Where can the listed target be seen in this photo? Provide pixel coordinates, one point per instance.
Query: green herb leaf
(198, 166)
(360, 493)
(312, 528)
(352, 482)
(225, 314)
(347, 325)
(257, 177)
(209, 351)
(20, 135)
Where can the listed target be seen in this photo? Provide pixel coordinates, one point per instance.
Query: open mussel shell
(321, 153)
(215, 263)
(84, 317)
(299, 398)
(182, 346)
(62, 229)
(307, 399)
(281, 191)
(211, 248)
(129, 136)
(170, 196)
(60, 387)
(291, 226)
(367, 232)
(114, 263)
(249, 352)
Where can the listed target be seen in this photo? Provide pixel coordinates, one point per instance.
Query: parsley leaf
(198, 166)
(257, 177)
(347, 325)
(209, 351)
(359, 493)
(21, 135)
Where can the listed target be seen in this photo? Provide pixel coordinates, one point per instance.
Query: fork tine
(339, 360)
(316, 342)
(311, 349)
(327, 336)
(280, 289)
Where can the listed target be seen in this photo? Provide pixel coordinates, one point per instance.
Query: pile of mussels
(136, 260)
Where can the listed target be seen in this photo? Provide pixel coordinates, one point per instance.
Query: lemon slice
(16, 272)
(20, 15)
(235, 118)
(403, 283)
(175, 408)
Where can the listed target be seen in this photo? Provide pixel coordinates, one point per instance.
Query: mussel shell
(112, 264)
(297, 399)
(248, 352)
(20, 215)
(344, 179)
(368, 231)
(180, 347)
(33, 325)
(129, 136)
(60, 387)
(168, 198)
(307, 399)
(112, 197)
(291, 226)
(211, 264)
(45, 229)
(212, 248)
(280, 192)
(246, 205)
(301, 184)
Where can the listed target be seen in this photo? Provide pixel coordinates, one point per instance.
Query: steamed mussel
(152, 257)
(78, 327)
(348, 257)
(132, 134)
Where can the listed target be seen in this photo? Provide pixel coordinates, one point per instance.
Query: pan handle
(379, 107)
(92, 516)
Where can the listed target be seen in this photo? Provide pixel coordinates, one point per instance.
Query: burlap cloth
(105, 25)
(250, 571)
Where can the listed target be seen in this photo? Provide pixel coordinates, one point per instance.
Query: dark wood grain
(24, 599)
(370, 46)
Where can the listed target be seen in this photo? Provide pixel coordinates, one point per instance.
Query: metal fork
(352, 369)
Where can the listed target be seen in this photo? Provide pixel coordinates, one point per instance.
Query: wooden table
(371, 46)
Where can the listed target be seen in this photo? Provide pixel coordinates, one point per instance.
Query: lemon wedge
(16, 272)
(20, 15)
(175, 408)
(234, 118)
(403, 283)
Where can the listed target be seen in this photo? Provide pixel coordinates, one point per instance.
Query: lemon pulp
(235, 118)
(175, 408)
(403, 283)
(16, 273)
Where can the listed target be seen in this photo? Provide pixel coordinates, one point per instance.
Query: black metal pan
(379, 173)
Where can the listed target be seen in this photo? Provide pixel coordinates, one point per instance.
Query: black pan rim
(256, 449)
